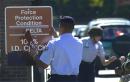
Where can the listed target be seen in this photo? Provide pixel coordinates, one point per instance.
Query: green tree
(96, 3)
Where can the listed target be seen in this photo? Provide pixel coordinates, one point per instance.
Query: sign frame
(19, 7)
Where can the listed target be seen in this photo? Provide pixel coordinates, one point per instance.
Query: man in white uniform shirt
(63, 54)
(92, 47)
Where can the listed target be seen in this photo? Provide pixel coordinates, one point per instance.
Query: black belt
(56, 75)
(64, 77)
(87, 62)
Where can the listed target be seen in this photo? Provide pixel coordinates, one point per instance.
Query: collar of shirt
(92, 42)
(66, 35)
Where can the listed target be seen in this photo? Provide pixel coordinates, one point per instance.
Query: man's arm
(34, 51)
(53, 32)
(107, 62)
(102, 56)
(39, 63)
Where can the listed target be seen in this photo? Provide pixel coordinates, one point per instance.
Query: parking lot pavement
(110, 79)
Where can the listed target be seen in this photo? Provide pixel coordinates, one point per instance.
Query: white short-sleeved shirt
(64, 55)
(91, 50)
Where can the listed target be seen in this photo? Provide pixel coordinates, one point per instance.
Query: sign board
(19, 19)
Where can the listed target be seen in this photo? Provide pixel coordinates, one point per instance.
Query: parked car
(112, 28)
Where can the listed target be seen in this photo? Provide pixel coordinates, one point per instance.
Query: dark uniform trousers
(63, 78)
(86, 72)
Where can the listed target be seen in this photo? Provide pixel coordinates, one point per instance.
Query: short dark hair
(95, 32)
(67, 22)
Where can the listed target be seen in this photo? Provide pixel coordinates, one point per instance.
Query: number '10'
(24, 41)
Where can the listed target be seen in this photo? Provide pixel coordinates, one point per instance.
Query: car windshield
(79, 30)
(110, 32)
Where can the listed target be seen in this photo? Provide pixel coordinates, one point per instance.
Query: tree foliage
(85, 10)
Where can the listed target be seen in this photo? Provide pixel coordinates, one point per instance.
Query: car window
(110, 32)
(79, 30)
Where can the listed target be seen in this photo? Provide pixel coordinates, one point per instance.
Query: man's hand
(122, 59)
(28, 37)
(112, 59)
(53, 32)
